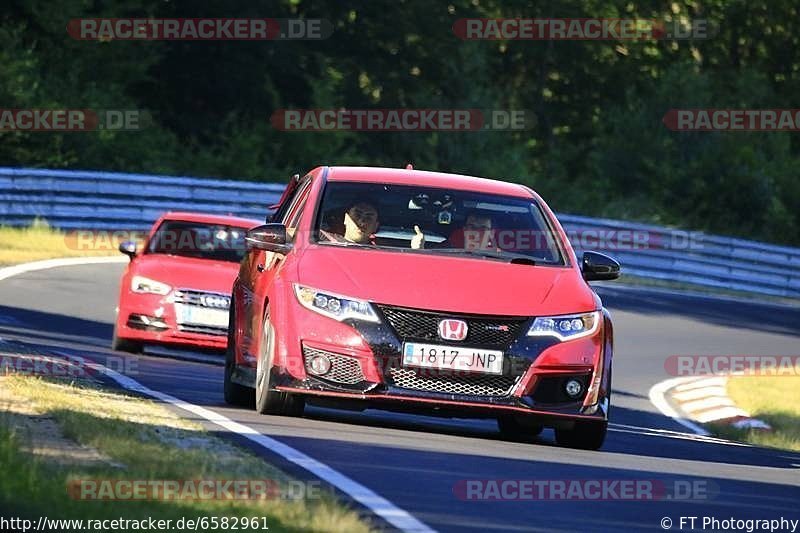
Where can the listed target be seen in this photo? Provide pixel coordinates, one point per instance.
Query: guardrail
(691, 257)
(104, 200)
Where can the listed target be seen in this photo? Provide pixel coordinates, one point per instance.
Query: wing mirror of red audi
(599, 267)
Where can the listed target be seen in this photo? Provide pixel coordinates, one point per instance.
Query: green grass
(144, 441)
(776, 401)
(40, 241)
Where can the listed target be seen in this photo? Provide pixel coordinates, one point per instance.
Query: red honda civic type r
(423, 292)
(176, 289)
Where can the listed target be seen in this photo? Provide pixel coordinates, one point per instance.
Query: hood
(446, 283)
(188, 272)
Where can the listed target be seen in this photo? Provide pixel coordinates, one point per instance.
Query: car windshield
(216, 242)
(436, 220)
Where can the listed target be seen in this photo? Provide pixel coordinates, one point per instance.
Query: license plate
(202, 316)
(453, 358)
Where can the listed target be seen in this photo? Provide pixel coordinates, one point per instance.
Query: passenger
(477, 233)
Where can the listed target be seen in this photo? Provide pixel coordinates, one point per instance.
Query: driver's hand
(418, 240)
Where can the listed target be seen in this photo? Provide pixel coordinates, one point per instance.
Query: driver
(360, 224)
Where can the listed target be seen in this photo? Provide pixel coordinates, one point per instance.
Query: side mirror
(128, 248)
(269, 237)
(599, 267)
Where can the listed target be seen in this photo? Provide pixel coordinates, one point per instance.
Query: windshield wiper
(348, 244)
(511, 257)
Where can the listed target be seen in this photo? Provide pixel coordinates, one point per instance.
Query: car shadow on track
(52, 325)
(643, 440)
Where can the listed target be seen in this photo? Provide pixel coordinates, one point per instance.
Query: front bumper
(151, 318)
(428, 404)
(531, 384)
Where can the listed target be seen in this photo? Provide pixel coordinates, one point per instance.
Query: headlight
(566, 327)
(145, 285)
(334, 306)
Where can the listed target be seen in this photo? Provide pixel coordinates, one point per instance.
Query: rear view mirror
(128, 248)
(269, 237)
(599, 267)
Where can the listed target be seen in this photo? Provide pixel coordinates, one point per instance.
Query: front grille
(412, 324)
(346, 370)
(467, 385)
(187, 299)
(212, 300)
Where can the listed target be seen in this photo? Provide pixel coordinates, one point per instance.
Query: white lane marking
(697, 394)
(721, 413)
(375, 503)
(752, 423)
(658, 398)
(369, 499)
(704, 404)
(692, 383)
(7, 272)
(669, 434)
(709, 403)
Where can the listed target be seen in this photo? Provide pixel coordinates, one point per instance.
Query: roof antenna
(409, 166)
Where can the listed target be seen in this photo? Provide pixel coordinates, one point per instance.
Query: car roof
(208, 218)
(399, 176)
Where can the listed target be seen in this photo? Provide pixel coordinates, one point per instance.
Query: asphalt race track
(415, 462)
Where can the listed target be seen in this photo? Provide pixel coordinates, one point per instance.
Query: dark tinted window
(453, 221)
(195, 239)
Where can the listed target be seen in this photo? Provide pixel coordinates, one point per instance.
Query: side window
(292, 216)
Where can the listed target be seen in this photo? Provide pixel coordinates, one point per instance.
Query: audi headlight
(334, 306)
(145, 285)
(565, 327)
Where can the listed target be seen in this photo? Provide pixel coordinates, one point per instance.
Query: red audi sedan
(422, 292)
(176, 290)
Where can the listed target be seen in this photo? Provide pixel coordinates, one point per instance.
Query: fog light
(573, 388)
(319, 365)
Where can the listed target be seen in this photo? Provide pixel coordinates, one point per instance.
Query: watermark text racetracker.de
(585, 489)
(732, 119)
(192, 489)
(64, 366)
(712, 523)
(740, 365)
(198, 29)
(73, 120)
(402, 119)
(584, 238)
(580, 29)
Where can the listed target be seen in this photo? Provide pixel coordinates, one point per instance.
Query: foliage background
(598, 148)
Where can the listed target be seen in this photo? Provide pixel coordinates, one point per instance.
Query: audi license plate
(452, 358)
(201, 316)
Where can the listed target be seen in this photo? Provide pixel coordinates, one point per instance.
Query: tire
(268, 400)
(514, 428)
(125, 345)
(584, 436)
(235, 394)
